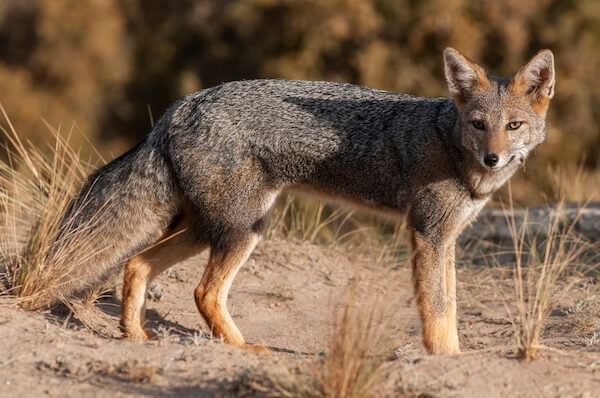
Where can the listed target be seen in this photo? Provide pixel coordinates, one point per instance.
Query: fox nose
(491, 159)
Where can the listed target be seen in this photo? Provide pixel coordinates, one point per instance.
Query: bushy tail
(124, 207)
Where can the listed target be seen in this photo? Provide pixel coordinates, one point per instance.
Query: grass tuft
(36, 187)
(574, 182)
(352, 366)
(540, 261)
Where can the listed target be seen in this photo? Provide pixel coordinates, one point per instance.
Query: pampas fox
(213, 165)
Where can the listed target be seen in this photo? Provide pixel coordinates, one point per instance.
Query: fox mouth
(516, 157)
(518, 160)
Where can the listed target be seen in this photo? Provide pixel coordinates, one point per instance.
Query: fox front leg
(435, 292)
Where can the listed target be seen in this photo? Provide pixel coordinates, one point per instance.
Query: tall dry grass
(36, 187)
(574, 182)
(352, 365)
(540, 261)
(312, 221)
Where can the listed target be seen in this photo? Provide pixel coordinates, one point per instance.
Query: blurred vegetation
(104, 64)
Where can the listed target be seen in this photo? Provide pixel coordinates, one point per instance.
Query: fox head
(500, 120)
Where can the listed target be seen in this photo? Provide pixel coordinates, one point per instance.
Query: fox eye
(478, 124)
(513, 125)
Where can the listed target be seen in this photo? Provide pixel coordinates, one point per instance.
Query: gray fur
(221, 150)
(218, 158)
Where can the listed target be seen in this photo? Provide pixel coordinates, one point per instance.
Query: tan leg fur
(434, 281)
(139, 272)
(211, 293)
(451, 299)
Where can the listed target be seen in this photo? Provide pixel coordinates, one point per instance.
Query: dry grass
(352, 367)
(36, 186)
(389, 249)
(574, 182)
(540, 261)
(309, 220)
(313, 221)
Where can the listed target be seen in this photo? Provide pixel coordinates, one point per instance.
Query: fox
(208, 173)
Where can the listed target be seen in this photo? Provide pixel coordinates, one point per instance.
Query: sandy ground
(285, 298)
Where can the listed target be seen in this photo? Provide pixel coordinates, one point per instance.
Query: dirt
(285, 297)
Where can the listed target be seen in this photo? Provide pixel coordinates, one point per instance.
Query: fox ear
(536, 80)
(463, 76)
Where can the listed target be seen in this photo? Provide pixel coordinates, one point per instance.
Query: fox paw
(141, 334)
(255, 347)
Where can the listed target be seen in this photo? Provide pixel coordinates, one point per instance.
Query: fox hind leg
(225, 260)
(231, 199)
(142, 268)
(135, 283)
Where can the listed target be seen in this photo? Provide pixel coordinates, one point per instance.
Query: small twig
(590, 365)
(8, 361)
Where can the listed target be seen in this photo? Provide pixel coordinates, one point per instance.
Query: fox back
(352, 142)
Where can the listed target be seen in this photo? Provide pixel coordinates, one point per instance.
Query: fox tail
(123, 207)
